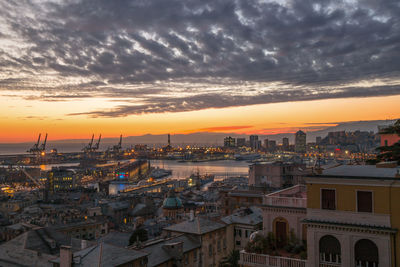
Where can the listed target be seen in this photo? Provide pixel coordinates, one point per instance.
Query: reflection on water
(221, 168)
(182, 170)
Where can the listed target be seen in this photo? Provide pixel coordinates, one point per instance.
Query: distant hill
(200, 138)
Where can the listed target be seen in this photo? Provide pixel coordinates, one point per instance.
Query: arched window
(329, 250)
(366, 253)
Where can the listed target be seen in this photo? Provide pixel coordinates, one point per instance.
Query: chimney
(65, 256)
(83, 244)
(191, 218)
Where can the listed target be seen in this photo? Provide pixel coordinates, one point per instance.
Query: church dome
(172, 201)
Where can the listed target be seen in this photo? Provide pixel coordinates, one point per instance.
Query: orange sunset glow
(256, 119)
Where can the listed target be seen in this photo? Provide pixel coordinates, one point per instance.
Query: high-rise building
(285, 144)
(300, 142)
(229, 141)
(240, 142)
(272, 145)
(266, 144)
(254, 141)
(318, 140)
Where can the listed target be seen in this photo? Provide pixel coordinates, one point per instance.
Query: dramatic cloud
(171, 56)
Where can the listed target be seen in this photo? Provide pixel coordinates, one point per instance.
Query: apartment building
(353, 217)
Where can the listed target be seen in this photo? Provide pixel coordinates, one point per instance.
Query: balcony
(294, 197)
(263, 260)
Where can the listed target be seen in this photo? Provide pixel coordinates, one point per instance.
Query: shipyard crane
(35, 147)
(89, 146)
(119, 145)
(43, 146)
(96, 146)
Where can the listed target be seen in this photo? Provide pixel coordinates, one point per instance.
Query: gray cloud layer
(171, 56)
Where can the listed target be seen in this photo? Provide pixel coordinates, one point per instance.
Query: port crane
(96, 146)
(37, 148)
(90, 147)
(43, 146)
(118, 146)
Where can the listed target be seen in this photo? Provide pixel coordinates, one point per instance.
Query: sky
(76, 67)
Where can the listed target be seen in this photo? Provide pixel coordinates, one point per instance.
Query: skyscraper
(240, 142)
(285, 144)
(254, 142)
(300, 142)
(229, 141)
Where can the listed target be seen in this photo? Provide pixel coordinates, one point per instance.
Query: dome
(172, 201)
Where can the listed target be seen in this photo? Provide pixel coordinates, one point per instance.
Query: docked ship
(197, 180)
(158, 173)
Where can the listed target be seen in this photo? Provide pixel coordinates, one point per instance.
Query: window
(364, 201)
(247, 233)
(219, 246)
(328, 199)
(195, 255)
(366, 253)
(224, 243)
(238, 243)
(329, 250)
(210, 250)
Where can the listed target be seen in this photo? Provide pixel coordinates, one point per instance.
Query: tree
(232, 260)
(138, 235)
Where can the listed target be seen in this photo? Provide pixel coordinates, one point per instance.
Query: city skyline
(258, 67)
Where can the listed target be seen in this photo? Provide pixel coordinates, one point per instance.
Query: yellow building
(353, 217)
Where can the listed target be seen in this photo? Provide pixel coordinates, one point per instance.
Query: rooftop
(104, 254)
(198, 226)
(249, 216)
(158, 255)
(366, 171)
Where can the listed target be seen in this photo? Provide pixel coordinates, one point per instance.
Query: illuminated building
(271, 145)
(300, 142)
(254, 142)
(229, 141)
(61, 180)
(240, 142)
(285, 144)
(352, 216)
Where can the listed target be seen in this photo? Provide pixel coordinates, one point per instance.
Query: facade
(215, 238)
(254, 142)
(240, 142)
(231, 200)
(271, 145)
(389, 139)
(88, 230)
(276, 174)
(229, 141)
(61, 180)
(177, 251)
(285, 144)
(353, 217)
(245, 222)
(300, 142)
(284, 212)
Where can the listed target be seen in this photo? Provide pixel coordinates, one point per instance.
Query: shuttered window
(364, 201)
(328, 200)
